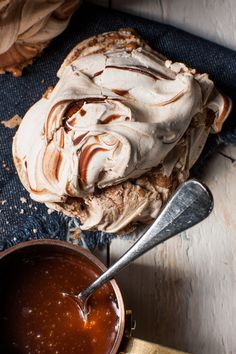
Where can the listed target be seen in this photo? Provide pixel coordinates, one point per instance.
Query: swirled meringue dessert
(117, 134)
(26, 28)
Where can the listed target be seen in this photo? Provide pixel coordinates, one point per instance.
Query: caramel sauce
(35, 317)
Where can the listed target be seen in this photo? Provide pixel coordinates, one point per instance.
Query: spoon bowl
(82, 304)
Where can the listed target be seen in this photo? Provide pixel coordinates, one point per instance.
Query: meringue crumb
(75, 234)
(23, 200)
(22, 211)
(3, 202)
(168, 63)
(4, 165)
(12, 122)
(47, 92)
(50, 211)
(42, 81)
(34, 231)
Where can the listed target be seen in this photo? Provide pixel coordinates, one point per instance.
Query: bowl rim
(93, 259)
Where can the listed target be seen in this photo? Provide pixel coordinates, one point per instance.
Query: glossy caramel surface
(35, 317)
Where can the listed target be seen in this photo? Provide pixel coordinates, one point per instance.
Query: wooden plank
(182, 294)
(211, 19)
(152, 9)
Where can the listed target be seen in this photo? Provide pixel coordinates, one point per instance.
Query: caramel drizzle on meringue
(140, 70)
(76, 106)
(77, 140)
(54, 119)
(121, 92)
(111, 118)
(58, 166)
(37, 191)
(73, 108)
(97, 74)
(59, 136)
(82, 112)
(173, 99)
(85, 157)
(32, 190)
(51, 163)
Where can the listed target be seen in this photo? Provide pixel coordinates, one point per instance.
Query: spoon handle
(191, 203)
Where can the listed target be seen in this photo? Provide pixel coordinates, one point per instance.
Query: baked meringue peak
(118, 133)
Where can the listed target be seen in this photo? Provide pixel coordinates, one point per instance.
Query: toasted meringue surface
(120, 120)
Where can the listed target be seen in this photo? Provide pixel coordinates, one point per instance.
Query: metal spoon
(191, 203)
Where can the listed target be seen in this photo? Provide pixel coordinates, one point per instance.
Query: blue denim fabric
(22, 221)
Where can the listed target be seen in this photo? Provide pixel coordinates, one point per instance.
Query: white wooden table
(183, 294)
(211, 19)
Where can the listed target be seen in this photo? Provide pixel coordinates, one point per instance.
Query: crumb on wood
(12, 122)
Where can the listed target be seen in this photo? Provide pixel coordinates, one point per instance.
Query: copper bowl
(66, 248)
